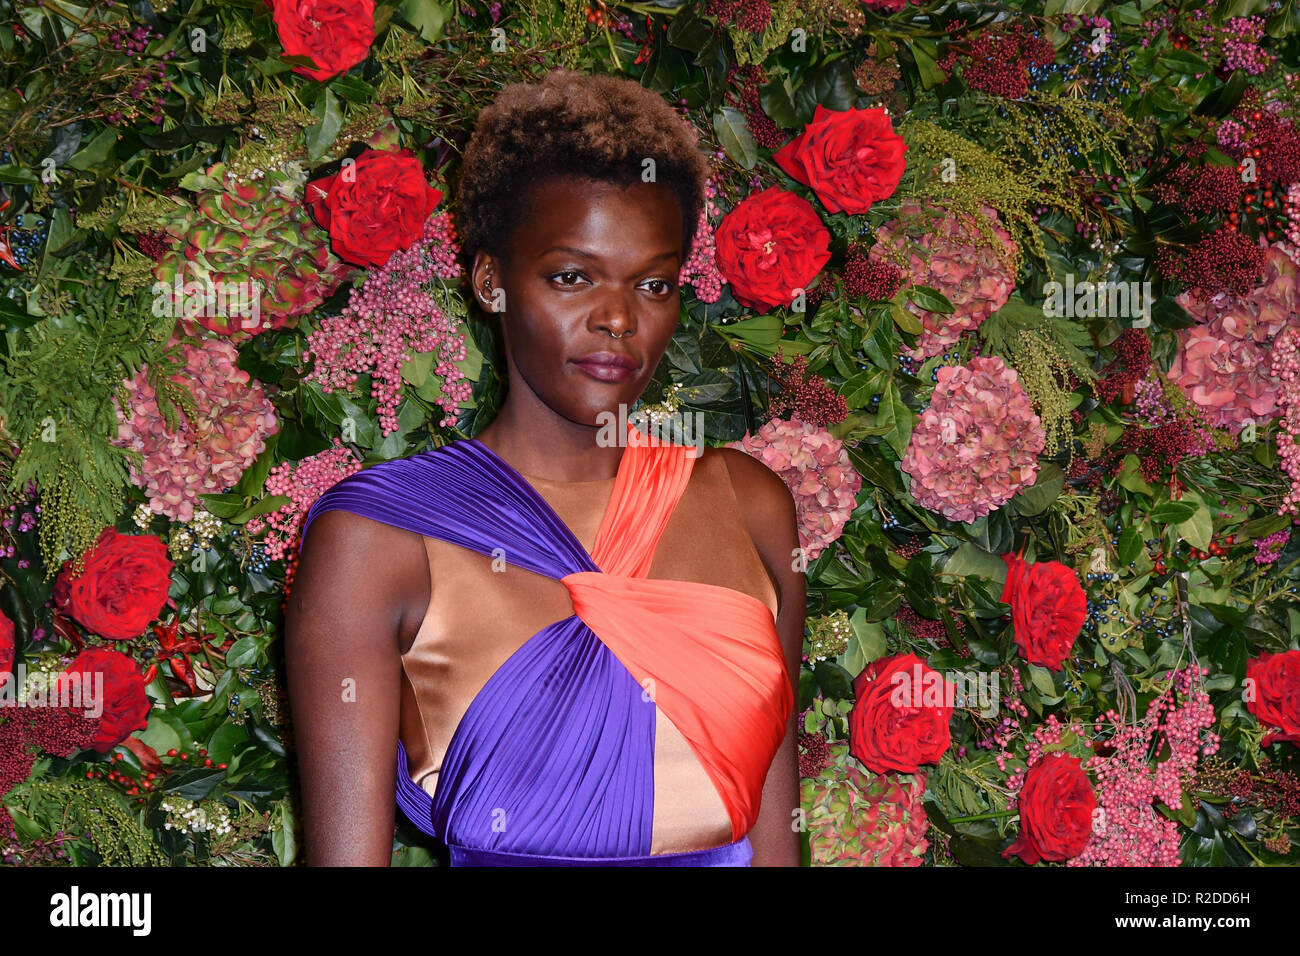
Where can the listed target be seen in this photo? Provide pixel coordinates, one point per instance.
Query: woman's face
(591, 261)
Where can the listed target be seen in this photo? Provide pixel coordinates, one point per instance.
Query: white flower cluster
(142, 515)
(205, 526)
(190, 817)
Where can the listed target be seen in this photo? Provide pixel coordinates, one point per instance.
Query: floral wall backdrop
(1009, 295)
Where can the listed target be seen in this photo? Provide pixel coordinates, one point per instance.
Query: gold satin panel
(478, 617)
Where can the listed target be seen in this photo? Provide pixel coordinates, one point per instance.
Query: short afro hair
(572, 124)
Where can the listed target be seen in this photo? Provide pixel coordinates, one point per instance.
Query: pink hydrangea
(1226, 376)
(977, 443)
(816, 468)
(1223, 363)
(208, 452)
(948, 254)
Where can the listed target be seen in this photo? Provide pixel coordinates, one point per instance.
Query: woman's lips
(608, 366)
(607, 373)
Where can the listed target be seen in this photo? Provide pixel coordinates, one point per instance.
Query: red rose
(900, 718)
(7, 646)
(769, 245)
(123, 587)
(336, 34)
(1056, 809)
(850, 158)
(121, 695)
(1276, 701)
(1048, 608)
(374, 207)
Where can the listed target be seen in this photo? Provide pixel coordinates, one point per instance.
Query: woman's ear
(484, 277)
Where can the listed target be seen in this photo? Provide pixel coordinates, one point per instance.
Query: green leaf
(1172, 512)
(426, 16)
(761, 332)
(1198, 529)
(870, 637)
(1130, 476)
(972, 560)
(1041, 678)
(321, 137)
(417, 367)
(898, 417)
(196, 784)
(242, 653)
(164, 731)
(733, 134)
(352, 88)
(282, 841)
(18, 175)
(926, 66)
(96, 151)
(1039, 496)
(859, 389)
(223, 506)
(905, 319)
(930, 299)
(1130, 545)
(835, 681)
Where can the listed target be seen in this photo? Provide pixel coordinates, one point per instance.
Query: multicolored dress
(553, 763)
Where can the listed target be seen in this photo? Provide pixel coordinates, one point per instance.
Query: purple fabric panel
(460, 493)
(740, 853)
(554, 756)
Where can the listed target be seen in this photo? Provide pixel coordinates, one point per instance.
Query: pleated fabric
(553, 762)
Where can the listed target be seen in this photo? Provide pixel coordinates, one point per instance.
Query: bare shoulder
(762, 494)
(368, 561)
(766, 505)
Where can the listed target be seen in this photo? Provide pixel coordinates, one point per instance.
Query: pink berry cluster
(1129, 831)
(977, 444)
(999, 737)
(1285, 365)
(302, 484)
(700, 271)
(209, 451)
(815, 467)
(394, 312)
(1269, 548)
(1292, 206)
(1047, 737)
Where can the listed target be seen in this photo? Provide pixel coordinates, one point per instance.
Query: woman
(584, 651)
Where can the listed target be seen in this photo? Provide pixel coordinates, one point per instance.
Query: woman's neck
(537, 442)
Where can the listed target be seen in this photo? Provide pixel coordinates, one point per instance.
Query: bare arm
(770, 515)
(346, 613)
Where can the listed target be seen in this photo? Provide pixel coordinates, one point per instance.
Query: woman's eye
(567, 278)
(664, 286)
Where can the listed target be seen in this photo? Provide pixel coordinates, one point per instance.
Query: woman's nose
(615, 314)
